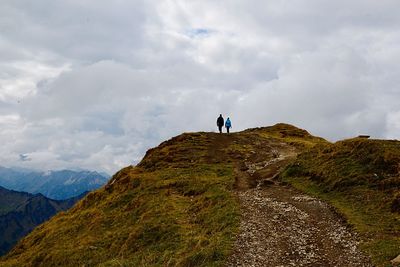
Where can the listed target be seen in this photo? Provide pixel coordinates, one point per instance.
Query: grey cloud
(77, 30)
(319, 91)
(99, 83)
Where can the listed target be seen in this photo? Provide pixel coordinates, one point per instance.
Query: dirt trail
(281, 226)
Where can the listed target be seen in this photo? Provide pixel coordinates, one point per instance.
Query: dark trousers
(220, 129)
(227, 129)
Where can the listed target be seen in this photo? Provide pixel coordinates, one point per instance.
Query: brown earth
(281, 226)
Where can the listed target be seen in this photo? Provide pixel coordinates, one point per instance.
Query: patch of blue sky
(198, 32)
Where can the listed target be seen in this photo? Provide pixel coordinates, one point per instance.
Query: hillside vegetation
(361, 178)
(176, 208)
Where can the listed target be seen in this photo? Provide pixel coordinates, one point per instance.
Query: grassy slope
(361, 179)
(176, 208)
(173, 209)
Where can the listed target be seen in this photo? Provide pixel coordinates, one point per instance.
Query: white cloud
(93, 85)
(20, 78)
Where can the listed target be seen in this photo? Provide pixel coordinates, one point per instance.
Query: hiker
(228, 124)
(220, 123)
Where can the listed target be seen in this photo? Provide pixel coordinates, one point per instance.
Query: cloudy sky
(93, 84)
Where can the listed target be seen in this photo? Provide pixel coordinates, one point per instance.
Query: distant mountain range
(59, 185)
(20, 212)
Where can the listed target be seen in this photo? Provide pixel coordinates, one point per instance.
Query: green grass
(172, 217)
(174, 209)
(289, 134)
(360, 178)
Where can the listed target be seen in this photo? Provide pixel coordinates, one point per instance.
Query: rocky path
(283, 227)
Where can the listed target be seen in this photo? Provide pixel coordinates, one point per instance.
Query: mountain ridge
(61, 184)
(178, 207)
(22, 212)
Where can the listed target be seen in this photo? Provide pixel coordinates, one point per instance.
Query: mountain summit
(188, 203)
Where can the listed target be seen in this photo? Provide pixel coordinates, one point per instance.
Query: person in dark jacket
(228, 124)
(220, 123)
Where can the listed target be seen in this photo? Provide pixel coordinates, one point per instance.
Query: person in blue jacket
(228, 124)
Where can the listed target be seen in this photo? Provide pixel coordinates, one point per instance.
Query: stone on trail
(396, 261)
